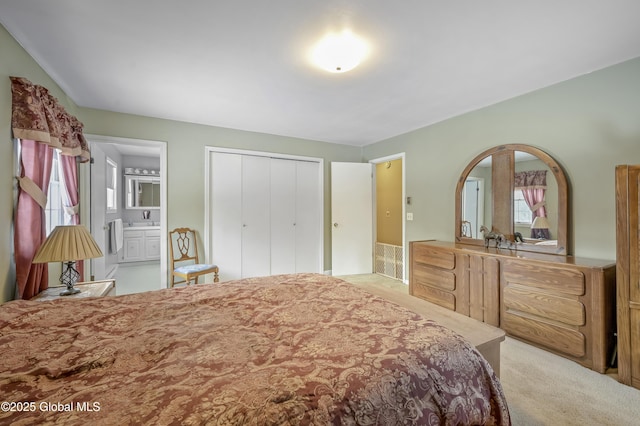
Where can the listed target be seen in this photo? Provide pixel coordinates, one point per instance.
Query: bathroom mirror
(505, 189)
(142, 192)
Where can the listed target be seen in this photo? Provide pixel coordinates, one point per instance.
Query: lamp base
(70, 291)
(69, 278)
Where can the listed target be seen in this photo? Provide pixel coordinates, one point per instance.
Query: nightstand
(87, 289)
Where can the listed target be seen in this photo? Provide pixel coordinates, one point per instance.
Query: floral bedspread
(281, 350)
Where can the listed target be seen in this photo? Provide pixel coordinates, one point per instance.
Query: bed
(281, 350)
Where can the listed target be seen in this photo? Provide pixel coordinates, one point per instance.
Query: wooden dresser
(628, 273)
(563, 304)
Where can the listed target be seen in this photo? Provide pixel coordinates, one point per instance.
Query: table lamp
(67, 244)
(539, 224)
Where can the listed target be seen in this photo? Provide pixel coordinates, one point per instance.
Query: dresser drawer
(565, 340)
(434, 277)
(434, 295)
(561, 280)
(426, 255)
(545, 305)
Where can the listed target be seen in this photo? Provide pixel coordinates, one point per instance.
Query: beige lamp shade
(540, 223)
(68, 243)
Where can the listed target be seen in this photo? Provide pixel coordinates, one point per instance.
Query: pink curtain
(30, 229)
(70, 178)
(41, 123)
(533, 185)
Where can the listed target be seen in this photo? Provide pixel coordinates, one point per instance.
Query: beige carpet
(545, 389)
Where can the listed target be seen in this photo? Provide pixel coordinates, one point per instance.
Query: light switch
(388, 213)
(409, 216)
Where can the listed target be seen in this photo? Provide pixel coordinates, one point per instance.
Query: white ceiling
(243, 64)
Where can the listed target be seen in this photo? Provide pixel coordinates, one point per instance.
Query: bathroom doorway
(110, 217)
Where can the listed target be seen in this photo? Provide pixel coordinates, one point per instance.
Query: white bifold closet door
(256, 217)
(266, 215)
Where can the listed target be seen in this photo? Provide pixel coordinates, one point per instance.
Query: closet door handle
(335, 225)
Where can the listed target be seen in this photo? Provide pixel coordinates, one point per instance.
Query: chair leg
(215, 276)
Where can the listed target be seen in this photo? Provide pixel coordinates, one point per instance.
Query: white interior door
(256, 217)
(226, 214)
(264, 213)
(351, 218)
(309, 206)
(283, 216)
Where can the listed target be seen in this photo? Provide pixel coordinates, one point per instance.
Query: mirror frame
(502, 198)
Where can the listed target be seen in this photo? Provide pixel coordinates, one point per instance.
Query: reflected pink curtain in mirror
(41, 124)
(533, 184)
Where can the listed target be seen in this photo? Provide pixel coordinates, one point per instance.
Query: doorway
(100, 216)
(389, 216)
(353, 190)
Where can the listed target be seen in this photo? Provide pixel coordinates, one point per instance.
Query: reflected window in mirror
(521, 211)
(112, 185)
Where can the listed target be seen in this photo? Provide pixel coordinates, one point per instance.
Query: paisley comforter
(281, 350)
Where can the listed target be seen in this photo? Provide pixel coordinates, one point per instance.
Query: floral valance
(531, 179)
(37, 115)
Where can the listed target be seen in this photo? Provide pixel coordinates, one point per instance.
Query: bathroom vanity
(141, 243)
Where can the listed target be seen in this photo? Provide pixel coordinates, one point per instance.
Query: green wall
(588, 124)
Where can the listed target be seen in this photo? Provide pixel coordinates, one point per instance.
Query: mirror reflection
(142, 192)
(535, 206)
(476, 200)
(535, 200)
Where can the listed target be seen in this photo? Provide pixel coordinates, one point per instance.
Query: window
(55, 213)
(112, 185)
(521, 212)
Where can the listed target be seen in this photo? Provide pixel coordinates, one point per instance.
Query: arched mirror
(517, 191)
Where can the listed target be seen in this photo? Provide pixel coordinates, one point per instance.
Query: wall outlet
(409, 216)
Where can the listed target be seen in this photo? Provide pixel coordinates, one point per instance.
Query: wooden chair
(184, 257)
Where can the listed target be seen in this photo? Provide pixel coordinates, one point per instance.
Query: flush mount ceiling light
(339, 52)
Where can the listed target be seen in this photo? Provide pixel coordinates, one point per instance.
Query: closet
(265, 215)
(628, 273)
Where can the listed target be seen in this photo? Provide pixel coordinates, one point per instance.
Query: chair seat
(190, 269)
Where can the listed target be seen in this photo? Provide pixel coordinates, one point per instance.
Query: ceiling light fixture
(339, 52)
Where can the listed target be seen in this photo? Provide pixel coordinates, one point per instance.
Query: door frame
(85, 193)
(375, 161)
(208, 150)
